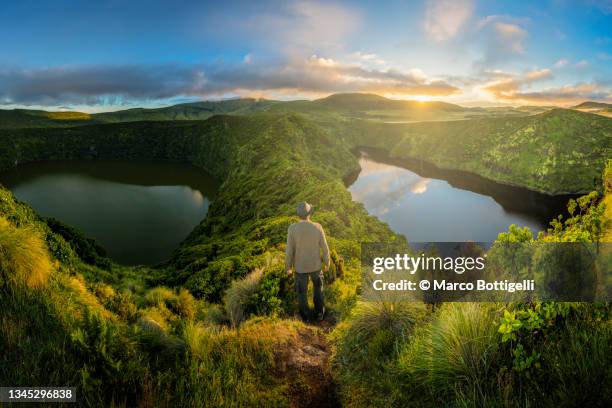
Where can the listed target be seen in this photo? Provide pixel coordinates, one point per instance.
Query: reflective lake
(138, 211)
(428, 204)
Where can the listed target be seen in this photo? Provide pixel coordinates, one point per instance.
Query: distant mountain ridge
(344, 102)
(592, 105)
(365, 101)
(342, 105)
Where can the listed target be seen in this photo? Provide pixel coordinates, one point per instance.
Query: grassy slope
(554, 152)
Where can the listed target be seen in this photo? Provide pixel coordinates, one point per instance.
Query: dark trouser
(301, 286)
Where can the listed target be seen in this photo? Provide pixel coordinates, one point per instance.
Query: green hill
(592, 105)
(187, 111)
(368, 102)
(23, 118)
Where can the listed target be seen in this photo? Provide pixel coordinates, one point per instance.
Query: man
(306, 248)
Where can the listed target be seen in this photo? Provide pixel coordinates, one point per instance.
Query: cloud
(104, 85)
(504, 37)
(369, 58)
(396, 183)
(420, 187)
(512, 37)
(512, 89)
(561, 63)
(568, 94)
(96, 84)
(505, 86)
(582, 64)
(445, 18)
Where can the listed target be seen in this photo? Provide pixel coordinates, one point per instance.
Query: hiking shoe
(321, 315)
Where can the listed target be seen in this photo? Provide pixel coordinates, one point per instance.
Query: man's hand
(289, 272)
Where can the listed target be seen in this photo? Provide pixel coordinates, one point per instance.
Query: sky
(112, 54)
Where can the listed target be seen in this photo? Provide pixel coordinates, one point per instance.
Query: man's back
(305, 242)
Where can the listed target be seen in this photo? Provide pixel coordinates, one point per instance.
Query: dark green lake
(138, 211)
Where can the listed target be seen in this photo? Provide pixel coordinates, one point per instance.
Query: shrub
(24, 259)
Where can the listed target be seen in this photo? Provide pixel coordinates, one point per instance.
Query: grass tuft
(238, 295)
(24, 259)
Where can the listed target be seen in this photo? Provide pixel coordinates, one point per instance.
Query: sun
(422, 98)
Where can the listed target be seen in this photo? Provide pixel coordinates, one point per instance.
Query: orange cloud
(509, 89)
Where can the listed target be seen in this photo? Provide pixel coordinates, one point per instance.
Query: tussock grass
(455, 354)
(239, 293)
(24, 259)
(159, 296)
(186, 306)
(367, 346)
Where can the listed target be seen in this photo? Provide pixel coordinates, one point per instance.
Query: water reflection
(429, 204)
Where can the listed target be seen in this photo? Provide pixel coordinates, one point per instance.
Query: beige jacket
(306, 246)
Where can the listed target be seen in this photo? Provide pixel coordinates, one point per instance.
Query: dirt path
(305, 362)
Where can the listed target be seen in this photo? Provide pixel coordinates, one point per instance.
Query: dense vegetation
(214, 325)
